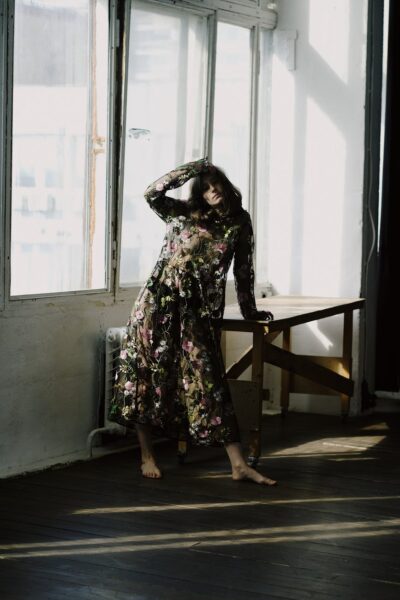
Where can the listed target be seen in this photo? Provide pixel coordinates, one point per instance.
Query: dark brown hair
(232, 197)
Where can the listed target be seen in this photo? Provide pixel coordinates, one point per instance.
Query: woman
(171, 374)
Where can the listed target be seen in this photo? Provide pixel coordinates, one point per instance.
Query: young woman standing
(171, 375)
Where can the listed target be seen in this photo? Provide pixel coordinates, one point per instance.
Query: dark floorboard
(330, 530)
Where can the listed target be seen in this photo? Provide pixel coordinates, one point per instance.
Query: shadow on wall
(316, 135)
(314, 152)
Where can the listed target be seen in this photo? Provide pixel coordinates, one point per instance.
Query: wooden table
(300, 373)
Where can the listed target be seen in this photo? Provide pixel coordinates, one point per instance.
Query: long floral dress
(171, 372)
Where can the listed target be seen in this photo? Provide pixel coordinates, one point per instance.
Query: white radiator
(113, 341)
(114, 337)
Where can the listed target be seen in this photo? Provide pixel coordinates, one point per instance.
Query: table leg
(285, 376)
(347, 358)
(257, 375)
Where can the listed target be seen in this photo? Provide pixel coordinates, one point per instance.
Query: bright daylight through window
(58, 233)
(232, 112)
(165, 121)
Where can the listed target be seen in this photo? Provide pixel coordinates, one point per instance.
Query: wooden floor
(329, 530)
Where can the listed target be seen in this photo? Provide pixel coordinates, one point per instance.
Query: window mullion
(6, 140)
(90, 159)
(255, 72)
(120, 17)
(212, 58)
(181, 106)
(3, 143)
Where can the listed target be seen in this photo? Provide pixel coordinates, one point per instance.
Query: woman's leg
(149, 466)
(240, 469)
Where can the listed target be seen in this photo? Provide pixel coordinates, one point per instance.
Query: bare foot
(246, 472)
(150, 469)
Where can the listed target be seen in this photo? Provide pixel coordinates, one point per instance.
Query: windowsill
(95, 298)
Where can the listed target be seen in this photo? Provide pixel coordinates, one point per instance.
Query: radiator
(113, 341)
(114, 337)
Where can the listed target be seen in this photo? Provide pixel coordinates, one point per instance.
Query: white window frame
(247, 13)
(216, 11)
(6, 114)
(125, 292)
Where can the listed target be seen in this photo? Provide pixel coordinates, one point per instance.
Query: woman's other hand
(260, 315)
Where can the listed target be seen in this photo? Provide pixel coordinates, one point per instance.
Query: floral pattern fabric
(171, 372)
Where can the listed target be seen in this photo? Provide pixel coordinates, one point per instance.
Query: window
(232, 108)
(58, 224)
(182, 102)
(165, 121)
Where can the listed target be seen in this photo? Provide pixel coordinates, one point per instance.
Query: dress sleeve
(165, 206)
(243, 270)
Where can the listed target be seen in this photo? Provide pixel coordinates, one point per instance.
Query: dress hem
(178, 435)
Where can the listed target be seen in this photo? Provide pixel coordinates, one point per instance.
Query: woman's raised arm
(164, 206)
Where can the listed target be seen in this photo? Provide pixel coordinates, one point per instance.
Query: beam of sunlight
(326, 19)
(202, 506)
(376, 426)
(325, 341)
(228, 537)
(337, 445)
(161, 508)
(376, 440)
(193, 545)
(190, 535)
(325, 162)
(346, 444)
(347, 458)
(312, 454)
(386, 581)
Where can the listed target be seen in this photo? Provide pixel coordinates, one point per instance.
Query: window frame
(242, 13)
(125, 292)
(7, 78)
(214, 17)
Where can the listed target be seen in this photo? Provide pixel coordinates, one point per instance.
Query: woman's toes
(150, 469)
(246, 472)
(269, 481)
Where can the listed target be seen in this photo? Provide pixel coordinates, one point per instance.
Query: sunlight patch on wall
(281, 178)
(325, 162)
(329, 34)
(321, 337)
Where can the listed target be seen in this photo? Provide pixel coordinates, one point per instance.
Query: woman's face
(212, 193)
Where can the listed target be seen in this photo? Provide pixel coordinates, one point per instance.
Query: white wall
(317, 149)
(51, 377)
(314, 173)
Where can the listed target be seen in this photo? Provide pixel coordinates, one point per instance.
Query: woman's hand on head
(208, 166)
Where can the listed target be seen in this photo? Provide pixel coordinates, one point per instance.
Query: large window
(176, 94)
(232, 111)
(58, 229)
(165, 121)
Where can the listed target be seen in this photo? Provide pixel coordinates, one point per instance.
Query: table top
(289, 311)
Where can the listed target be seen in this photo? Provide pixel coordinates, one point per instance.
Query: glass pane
(231, 137)
(165, 121)
(58, 234)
